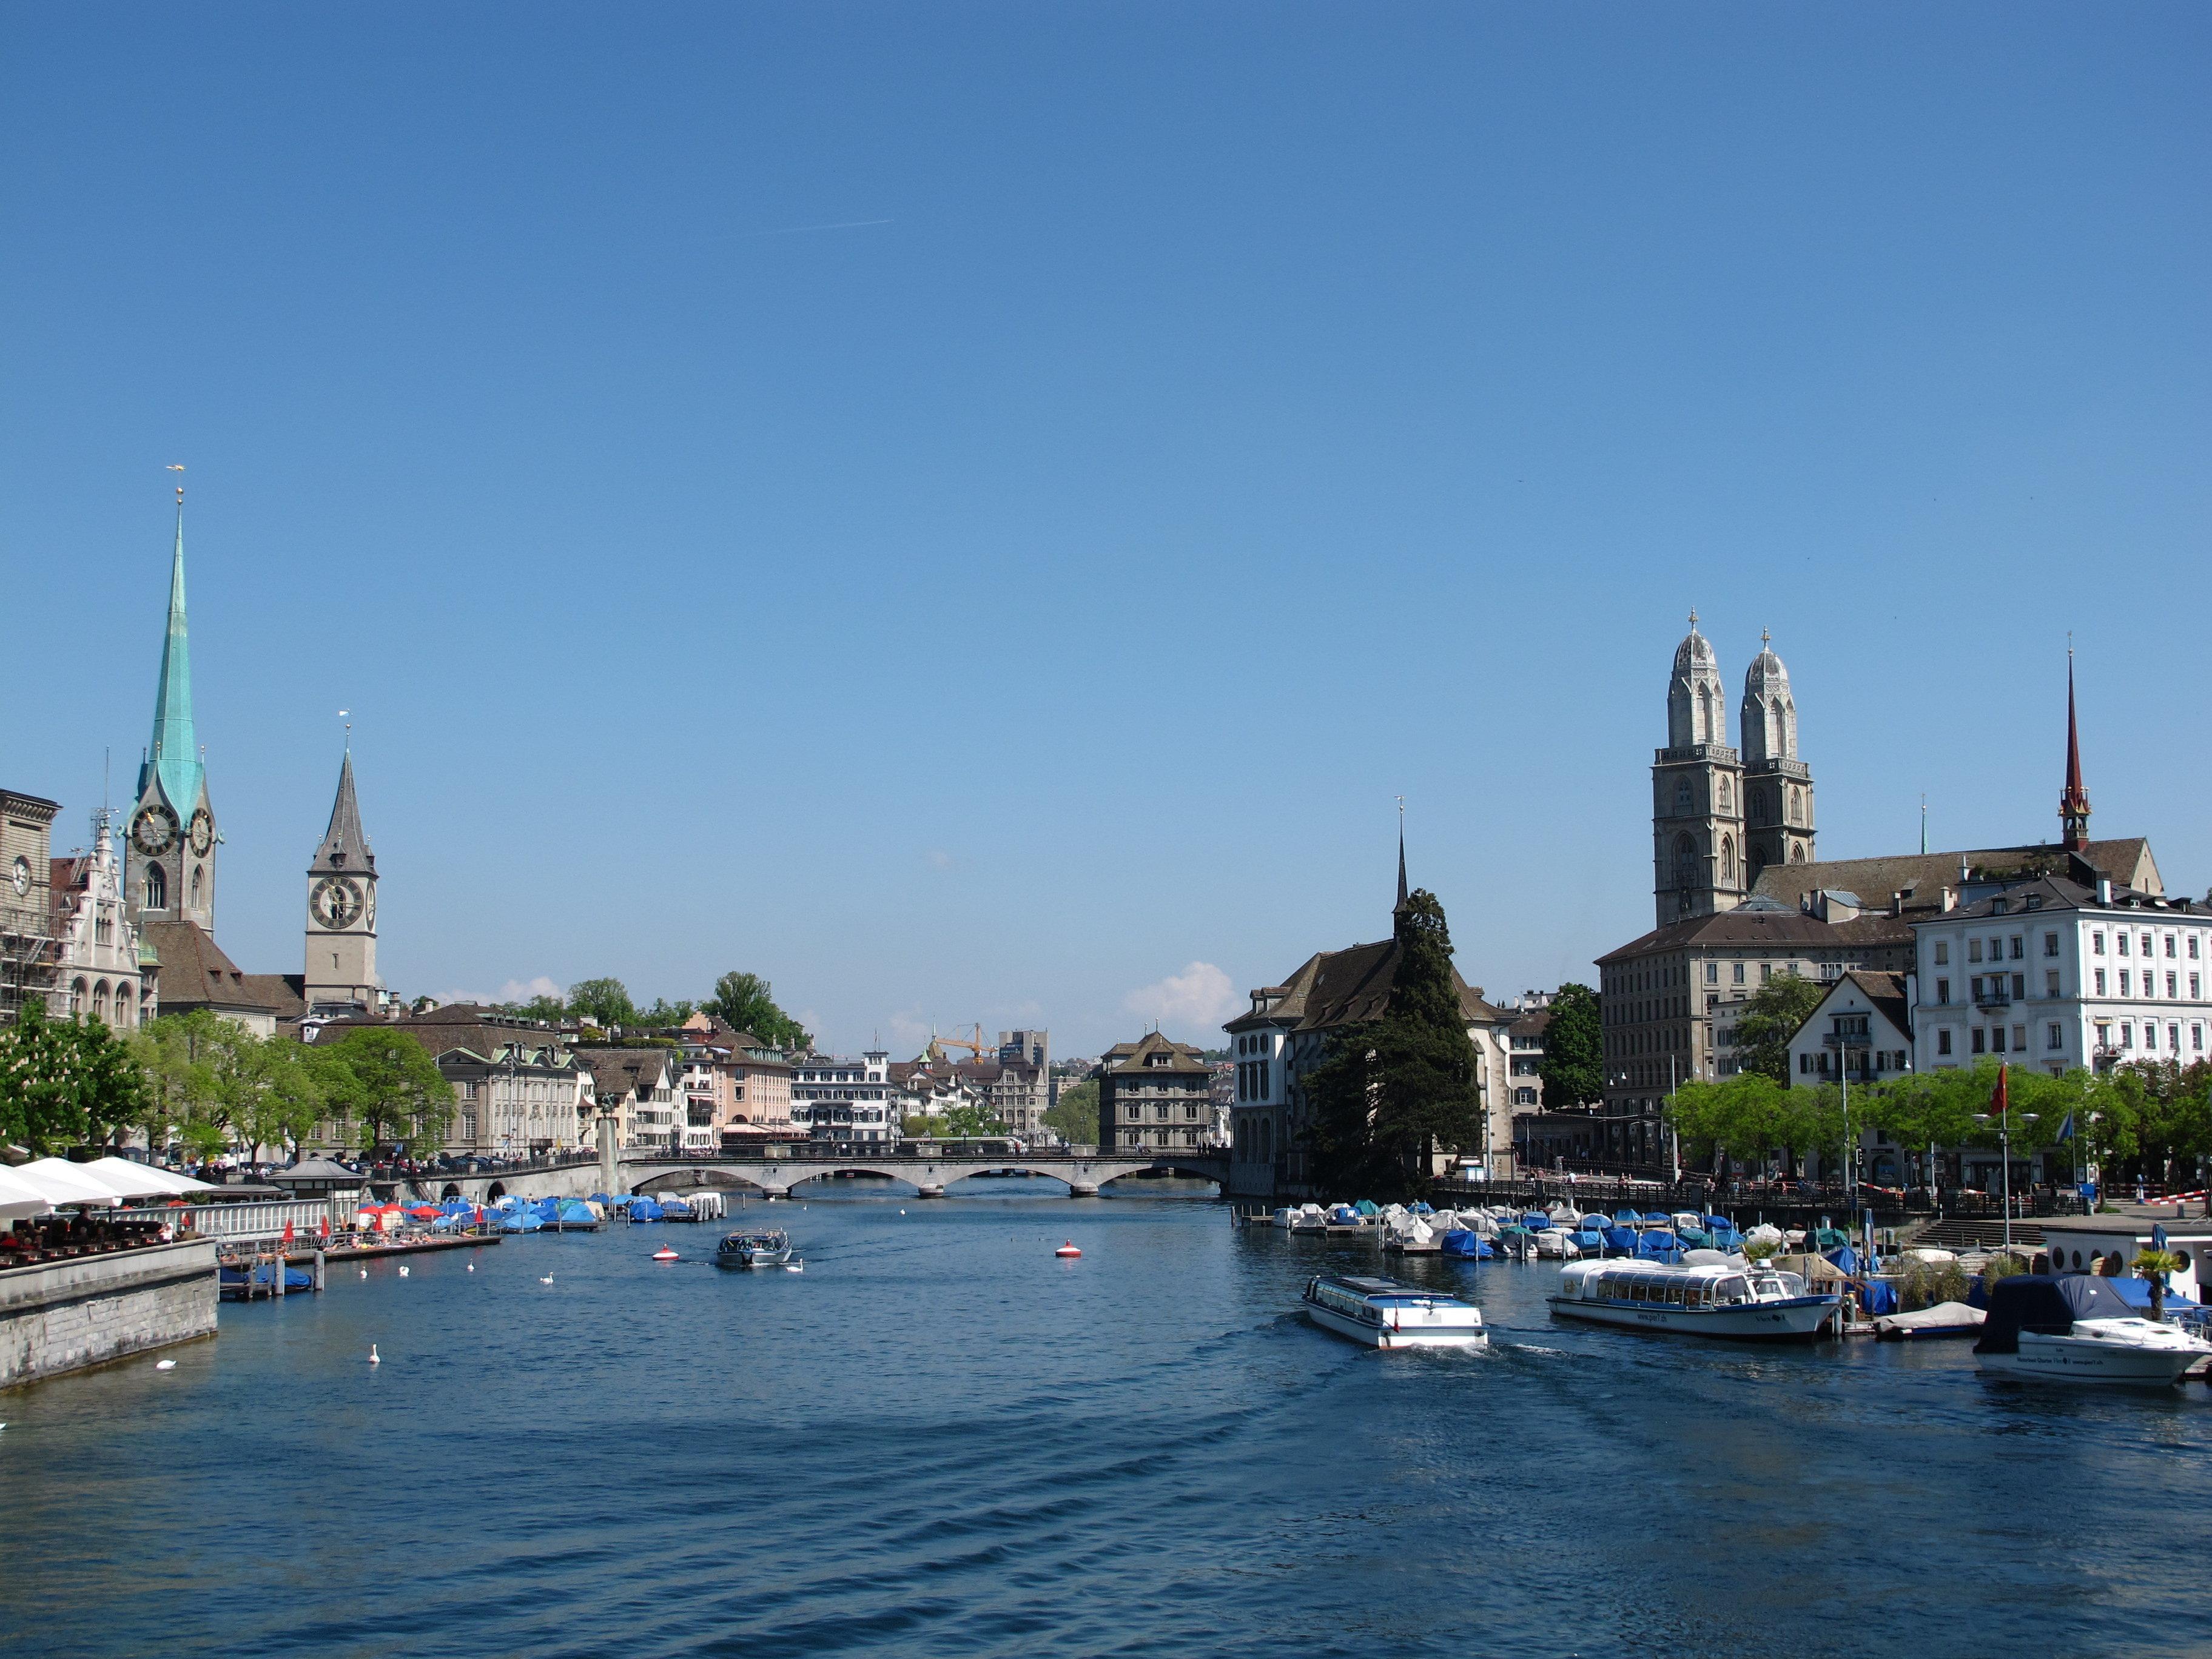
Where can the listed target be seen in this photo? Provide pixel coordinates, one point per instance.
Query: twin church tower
(1719, 815)
(170, 867)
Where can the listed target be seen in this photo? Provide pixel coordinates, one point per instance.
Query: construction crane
(939, 1044)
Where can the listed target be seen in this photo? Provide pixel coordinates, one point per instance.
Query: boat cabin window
(1732, 1289)
(1675, 1293)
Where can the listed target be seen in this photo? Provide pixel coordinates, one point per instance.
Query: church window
(1686, 863)
(1727, 796)
(195, 886)
(1681, 797)
(157, 888)
(1727, 859)
(1797, 853)
(1705, 732)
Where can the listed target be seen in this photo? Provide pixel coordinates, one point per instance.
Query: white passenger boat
(1747, 1304)
(771, 1248)
(1384, 1313)
(2073, 1327)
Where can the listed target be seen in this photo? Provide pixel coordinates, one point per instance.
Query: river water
(939, 1439)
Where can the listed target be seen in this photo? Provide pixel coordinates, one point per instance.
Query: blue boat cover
(644, 1209)
(1658, 1215)
(1844, 1257)
(1620, 1238)
(1420, 1206)
(1657, 1245)
(676, 1204)
(1472, 1246)
(1368, 1206)
(1588, 1238)
(1696, 1239)
(2135, 1293)
(1876, 1298)
(1627, 1218)
(1535, 1221)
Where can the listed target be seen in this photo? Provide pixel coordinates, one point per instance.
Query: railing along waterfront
(260, 1219)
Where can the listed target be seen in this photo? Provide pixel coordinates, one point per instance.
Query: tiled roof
(1922, 876)
(196, 974)
(1138, 1056)
(1745, 927)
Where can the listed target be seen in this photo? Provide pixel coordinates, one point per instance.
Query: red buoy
(665, 1254)
(1069, 1249)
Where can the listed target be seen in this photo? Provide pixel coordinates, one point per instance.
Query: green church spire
(174, 755)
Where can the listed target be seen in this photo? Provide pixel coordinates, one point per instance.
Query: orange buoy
(1068, 1250)
(665, 1254)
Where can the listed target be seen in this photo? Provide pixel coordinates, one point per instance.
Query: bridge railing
(251, 1221)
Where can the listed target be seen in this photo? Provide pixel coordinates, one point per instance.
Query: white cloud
(909, 1031)
(516, 990)
(938, 858)
(1194, 1001)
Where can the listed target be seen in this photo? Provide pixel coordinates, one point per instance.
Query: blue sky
(974, 511)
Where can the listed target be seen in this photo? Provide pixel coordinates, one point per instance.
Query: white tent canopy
(135, 1180)
(19, 1200)
(60, 1182)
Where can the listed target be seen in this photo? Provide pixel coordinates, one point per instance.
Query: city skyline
(756, 532)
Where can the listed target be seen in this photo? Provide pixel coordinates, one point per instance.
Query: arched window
(195, 886)
(1790, 799)
(1704, 733)
(157, 888)
(78, 1001)
(1797, 853)
(100, 1002)
(1728, 795)
(1681, 797)
(1727, 861)
(1686, 863)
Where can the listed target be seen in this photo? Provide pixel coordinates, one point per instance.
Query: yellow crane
(939, 1044)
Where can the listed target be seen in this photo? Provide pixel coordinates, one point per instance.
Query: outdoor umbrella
(19, 1200)
(63, 1183)
(135, 1180)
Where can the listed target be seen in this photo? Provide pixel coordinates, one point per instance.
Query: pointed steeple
(174, 756)
(345, 847)
(2073, 799)
(1403, 893)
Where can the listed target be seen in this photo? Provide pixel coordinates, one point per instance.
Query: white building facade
(2056, 973)
(838, 1097)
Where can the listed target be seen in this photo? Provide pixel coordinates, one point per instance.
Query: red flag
(1998, 1101)
(287, 1232)
(326, 1226)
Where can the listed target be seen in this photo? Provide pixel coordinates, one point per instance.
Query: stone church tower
(1778, 785)
(172, 839)
(1696, 793)
(342, 911)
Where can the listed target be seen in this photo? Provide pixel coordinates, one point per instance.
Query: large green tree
(386, 1084)
(41, 1085)
(604, 1004)
(1390, 1092)
(1573, 1065)
(1074, 1115)
(744, 1000)
(1771, 1019)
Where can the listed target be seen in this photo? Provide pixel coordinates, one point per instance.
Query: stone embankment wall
(63, 1316)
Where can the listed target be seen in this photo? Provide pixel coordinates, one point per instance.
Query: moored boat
(2074, 1328)
(1386, 1313)
(771, 1248)
(1752, 1303)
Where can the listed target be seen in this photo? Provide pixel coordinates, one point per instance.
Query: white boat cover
(1944, 1316)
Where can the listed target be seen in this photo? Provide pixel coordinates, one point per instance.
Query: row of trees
(743, 999)
(2149, 1115)
(212, 1085)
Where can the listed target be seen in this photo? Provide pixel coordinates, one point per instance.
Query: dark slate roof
(1757, 927)
(196, 974)
(1137, 1057)
(1534, 1023)
(623, 1071)
(1348, 987)
(344, 847)
(1922, 876)
(2054, 892)
(1886, 992)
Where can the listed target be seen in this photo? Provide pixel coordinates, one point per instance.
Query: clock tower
(171, 837)
(341, 962)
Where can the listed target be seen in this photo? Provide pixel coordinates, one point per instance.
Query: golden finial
(177, 468)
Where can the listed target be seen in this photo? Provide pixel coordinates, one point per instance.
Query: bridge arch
(452, 1190)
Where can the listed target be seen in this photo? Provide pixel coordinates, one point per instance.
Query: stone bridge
(928, 1173)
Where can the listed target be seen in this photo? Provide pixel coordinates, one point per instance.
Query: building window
(1974, 950)
(2127, 1034)
(2054, 1036)
(2171, 990)
(2123, 981)
(2197, 1039)
(1736, 976)
(2020, 1039)
(1942, 1042)
(1713, 972)
(1942, 991)
(1977, 1039)
(2194, 993)
(157, 888)
(2096, 944)
(2147, 949)
(2169, 946)
(2017, 951)
(2192, 947)
(2100, 982)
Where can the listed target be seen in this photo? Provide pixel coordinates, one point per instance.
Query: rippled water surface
(938, 1440)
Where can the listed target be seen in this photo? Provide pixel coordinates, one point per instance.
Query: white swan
(547, 1280)
(374, 1358)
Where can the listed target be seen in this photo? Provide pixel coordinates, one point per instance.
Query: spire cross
(1693, 619)
(179, 469)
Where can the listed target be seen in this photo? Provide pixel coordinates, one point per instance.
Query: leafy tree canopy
(1573, 1065)
(386, 1083)
(1771, 1019)
(1074, 1117)
(744, 1000)
(604, 1004)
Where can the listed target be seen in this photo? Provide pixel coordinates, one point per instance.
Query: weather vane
(177, 467)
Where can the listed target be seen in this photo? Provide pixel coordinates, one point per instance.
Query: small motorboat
(1386, 1313)
(2073, 1327)
(771, 1248)
(1944, 1319)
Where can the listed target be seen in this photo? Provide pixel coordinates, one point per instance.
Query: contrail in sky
(799, 230)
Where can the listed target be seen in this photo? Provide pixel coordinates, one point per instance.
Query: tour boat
(1749, 1304)
(753, 1249)
(2074, 1328)
(1384, 1313)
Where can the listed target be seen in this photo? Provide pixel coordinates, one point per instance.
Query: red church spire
(2073, 799)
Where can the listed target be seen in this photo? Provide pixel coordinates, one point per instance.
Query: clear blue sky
(971, 510)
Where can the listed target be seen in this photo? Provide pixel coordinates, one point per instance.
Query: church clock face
(20, 877)
(335, 903)
(153, 832)
(202, 832)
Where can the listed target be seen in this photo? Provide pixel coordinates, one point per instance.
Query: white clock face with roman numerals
(336, 902)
